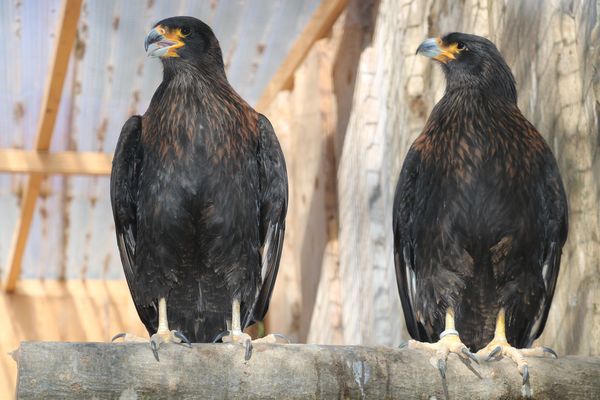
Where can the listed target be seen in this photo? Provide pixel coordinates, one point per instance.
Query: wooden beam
(318, 26)
(63, 163)
(69, 16)
(116, 370)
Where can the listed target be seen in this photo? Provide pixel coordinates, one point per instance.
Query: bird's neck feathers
(490, 93)
(191, 104)
(489, 80)
(489, 99)
(190, 76)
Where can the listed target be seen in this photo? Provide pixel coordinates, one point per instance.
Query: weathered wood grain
(53, 370)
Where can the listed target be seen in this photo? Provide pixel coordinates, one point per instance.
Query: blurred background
(346, 94)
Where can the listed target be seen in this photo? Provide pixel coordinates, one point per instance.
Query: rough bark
(52, 370)
(552, 49)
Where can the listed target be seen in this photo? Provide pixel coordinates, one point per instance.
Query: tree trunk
(129, 371)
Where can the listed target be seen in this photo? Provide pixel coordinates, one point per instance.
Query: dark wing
(405, 210)
(273, 208)
(123, 197)
(553, 217)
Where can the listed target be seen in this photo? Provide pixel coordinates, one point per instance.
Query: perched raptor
(199, 196)
(480, 215)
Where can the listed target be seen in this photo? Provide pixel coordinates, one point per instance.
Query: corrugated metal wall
(109, 79)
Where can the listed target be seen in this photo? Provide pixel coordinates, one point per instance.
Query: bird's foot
(167, 336)
(245, 339)
(449, 343)
(499, 348)
(235, 336)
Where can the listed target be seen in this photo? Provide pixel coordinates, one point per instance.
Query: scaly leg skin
(163, 334)
(235, 335)
(449, 343)
(499, 347)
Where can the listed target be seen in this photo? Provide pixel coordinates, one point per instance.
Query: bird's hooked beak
(162, 42)
(436, 49)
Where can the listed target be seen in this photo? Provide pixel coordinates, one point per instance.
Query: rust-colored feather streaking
(199, 193)
(480, 213)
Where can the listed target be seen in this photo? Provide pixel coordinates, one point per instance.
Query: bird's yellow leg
(449, 343)
(499, 347)
(163, 334)
(236, 335)
(162, 326)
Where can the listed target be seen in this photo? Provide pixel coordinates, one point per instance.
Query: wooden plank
(63, 163)
(293, 371)
(50, 102)
(318, 26)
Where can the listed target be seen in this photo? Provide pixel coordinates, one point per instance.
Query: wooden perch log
(129, 371)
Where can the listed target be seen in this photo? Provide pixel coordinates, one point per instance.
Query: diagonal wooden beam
(63, 163)
(69, 15)
(320, 23)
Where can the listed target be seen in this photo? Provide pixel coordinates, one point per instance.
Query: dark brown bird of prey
(480, 215)
(199, 196)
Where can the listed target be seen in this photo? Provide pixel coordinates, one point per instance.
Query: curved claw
(403, 345)
(179, 335)
(549, 351)
(493, 353)
(154, 347)
(248, 352)
(525, 375)
(279, 335)
(118, 336)
(442, 367)
(220, 336)
(526, 388)
(467, 353)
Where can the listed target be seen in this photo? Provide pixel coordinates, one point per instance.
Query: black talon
(550, 351)
(220, 336)
(493, 353)
(118, 336)
(279, 335)
(248, 352)
(467, 363)
(526, 390)
(154, 350)
(181, 336)
(403, 345)
(525, 375)
(472, 356)
(442, 367)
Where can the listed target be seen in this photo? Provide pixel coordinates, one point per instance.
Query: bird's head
(471, 62)
(184, 39)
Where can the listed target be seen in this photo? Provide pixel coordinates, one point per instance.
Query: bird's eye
(460, 46)
(185, 31)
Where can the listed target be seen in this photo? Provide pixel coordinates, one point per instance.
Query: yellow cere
(173, 35)
(448, 53)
